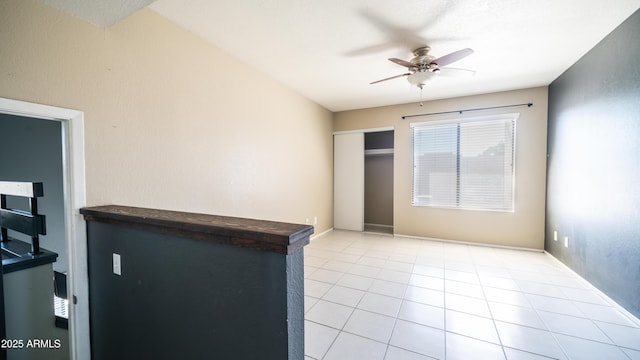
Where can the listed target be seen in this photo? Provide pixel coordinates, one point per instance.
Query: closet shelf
(371, 152)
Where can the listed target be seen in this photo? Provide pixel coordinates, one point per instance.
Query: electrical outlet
(306, 222)
(555, 235)
(566, 241)
(315, 220)
(117, 264)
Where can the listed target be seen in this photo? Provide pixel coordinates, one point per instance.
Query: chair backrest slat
(26, 222)
(21, 188)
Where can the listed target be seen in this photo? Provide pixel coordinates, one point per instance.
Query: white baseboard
(469, 243)
(313, 237)
(614, 304)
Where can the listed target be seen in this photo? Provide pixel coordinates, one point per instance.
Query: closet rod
(461, 111)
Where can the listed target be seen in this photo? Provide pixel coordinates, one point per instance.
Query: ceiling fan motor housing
(421, 57)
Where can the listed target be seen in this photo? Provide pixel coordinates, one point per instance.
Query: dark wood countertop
(283, 238)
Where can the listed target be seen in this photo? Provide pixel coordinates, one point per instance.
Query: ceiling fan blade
(402, 63)
(453, 57)
(389, 78)
(455, 72)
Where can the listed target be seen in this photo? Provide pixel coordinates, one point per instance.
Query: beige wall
(170, 121)
(173, 122)
(522, 228)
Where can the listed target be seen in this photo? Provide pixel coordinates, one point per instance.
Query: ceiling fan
(423, 68)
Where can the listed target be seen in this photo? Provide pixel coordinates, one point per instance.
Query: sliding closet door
(348, 181)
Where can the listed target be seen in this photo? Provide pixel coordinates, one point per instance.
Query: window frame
(506, 117)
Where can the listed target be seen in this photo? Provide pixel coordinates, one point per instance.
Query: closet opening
(378, 182)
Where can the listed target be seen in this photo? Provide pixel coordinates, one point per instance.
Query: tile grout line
(508, 267)
(444, 307)
(493, 320)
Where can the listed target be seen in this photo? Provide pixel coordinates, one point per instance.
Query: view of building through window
(467, 164)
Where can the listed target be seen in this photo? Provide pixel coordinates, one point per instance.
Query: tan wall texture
(522, 228)
(172, 122)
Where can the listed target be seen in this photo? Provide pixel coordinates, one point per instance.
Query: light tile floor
(370, 296)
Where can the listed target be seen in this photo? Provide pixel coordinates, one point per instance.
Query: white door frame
(73, 177)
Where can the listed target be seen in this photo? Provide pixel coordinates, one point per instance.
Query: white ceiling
(330, 50)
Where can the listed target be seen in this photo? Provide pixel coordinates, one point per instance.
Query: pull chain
(421, 87)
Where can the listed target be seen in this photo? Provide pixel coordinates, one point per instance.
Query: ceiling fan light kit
(421, 78)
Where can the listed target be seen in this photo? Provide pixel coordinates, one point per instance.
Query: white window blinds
(466, 164)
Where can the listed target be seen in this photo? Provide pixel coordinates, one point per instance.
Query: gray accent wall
(31, 150)
(593, 178)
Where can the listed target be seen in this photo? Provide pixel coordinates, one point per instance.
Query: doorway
(31, 151)
(69, 125)
(378, 182)
(363, 180)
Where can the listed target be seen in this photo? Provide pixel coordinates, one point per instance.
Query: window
(465, 164)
